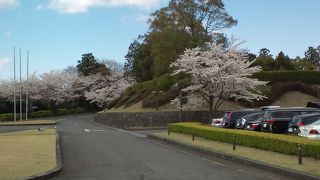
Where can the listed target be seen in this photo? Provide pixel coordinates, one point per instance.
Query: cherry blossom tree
(56, 87)
(219, 73)
(100, 89)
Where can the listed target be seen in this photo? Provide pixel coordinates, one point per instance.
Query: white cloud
(80, 6)
(4, 62)
(5, 4)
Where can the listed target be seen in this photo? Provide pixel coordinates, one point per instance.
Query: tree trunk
(210, 102)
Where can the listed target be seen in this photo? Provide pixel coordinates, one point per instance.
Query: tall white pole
(14, 85)
(20, 90)
(27, 91)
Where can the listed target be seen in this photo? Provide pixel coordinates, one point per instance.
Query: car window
(295, 119)
(316, 123)
(310, 120)
(282, 114)
(238, 115)
(226, 115)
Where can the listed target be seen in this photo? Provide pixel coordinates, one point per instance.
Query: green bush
(273, 142)
(38, 114)
(311, 77)
(165, 82)
(64, 111)
(10, 117)
(77, 110)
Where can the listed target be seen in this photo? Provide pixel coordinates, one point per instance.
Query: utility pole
(27, 90)
(20, 89)
(14, 85)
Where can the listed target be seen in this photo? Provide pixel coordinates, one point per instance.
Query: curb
(249, 162)
(54, 172)
(45, 124)
(146, 128)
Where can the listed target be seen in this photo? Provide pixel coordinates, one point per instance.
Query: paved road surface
(91, 151)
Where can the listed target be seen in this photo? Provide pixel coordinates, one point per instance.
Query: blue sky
(58, 32)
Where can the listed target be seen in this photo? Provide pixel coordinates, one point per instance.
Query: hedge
(311, 77)
(273, 142)
(45, 113)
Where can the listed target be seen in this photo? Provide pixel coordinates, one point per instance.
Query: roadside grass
(29, 122)
(27, 153)
(309, 166)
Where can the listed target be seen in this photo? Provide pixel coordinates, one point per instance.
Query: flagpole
(27, 90)
(20, 90)
(14, 85)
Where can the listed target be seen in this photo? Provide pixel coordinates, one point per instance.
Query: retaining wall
(127, 120)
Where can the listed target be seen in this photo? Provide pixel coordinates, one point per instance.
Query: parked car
(314, 104)
(311, 131)
(302, 120)
(217, 122)
(242, 122)
(277, 120)
(230, 118)
(254, 125)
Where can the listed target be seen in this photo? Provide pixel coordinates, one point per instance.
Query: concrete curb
(249, 162)
(44, 124)
(54, 172)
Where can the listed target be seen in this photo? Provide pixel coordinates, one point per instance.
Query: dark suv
(230, 118)
(277, 120)
(242, 122)
(302, 120)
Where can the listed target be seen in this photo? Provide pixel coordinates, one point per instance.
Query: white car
(311, 131)
(216, 122)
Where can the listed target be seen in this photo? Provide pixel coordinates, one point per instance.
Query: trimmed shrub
(311, 77)
(38, 114)
(273, 142)
(165, 82)
(10, 116)
(77, 110)
(163, 98)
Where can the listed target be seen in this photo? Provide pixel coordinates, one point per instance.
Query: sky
(58, 32)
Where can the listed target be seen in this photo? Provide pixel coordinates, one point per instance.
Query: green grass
(310, 165)
(29, 122)
(27, 153)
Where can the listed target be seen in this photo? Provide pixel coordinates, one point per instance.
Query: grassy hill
(289, 99)
(146, 96)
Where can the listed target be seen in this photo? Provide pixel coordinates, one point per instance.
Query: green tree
(282, 62)
(139, 62)
(303, 64)
(180, 25)
(89, 65)
(264, 60)
(313, 55)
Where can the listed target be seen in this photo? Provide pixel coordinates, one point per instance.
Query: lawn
(29, 122)
(310, 165)
(27, 153)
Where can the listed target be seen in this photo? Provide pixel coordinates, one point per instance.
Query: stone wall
(128, 120)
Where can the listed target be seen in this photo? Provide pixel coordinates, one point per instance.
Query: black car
(277, 120)
(230, 118)
(242, 122)
(302, 120)
(254, 125)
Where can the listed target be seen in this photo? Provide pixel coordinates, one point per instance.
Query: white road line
(87, 130)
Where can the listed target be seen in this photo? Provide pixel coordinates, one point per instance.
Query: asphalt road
(91, 151)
